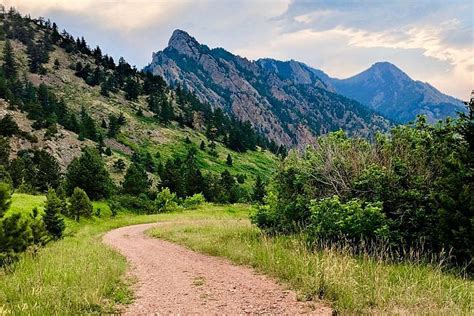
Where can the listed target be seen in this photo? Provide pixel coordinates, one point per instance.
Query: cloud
(431, 40)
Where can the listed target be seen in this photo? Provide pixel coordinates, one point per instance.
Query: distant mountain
(391, 92)
(288, 101)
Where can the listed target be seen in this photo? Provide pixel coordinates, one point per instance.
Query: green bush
(166, 201)
(15, 237)
(419, 177)
(193, 201)
(354, 220)
(137, 204)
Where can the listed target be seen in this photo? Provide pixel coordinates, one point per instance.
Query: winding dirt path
(172, 279)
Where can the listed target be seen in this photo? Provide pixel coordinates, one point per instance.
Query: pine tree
(202, 146)
(80, 204)
(88, 172)
(5, 198)
(136, 180)
(229, 160)
(8, 126)
(53, 221)
(119, 165)
(166, 114)
(4, 151)
(259, 190)
(9, 65)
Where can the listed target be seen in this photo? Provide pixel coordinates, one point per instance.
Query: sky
(432, 41)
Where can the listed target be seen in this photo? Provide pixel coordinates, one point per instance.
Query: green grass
(24, 203)
(79, 274)
(350, 285)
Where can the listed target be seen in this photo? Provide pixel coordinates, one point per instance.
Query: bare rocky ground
(172, 279)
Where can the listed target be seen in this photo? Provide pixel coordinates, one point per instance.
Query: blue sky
(432, 41)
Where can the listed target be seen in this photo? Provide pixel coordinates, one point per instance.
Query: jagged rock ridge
(287, 101)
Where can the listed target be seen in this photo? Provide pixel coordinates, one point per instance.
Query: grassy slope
(140, 133)
(351, 285)
(79, 274)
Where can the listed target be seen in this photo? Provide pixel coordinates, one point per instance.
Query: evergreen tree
(87, 128)
(136, 180)
(4, 151)
(202, 146)
(119, 165)
(229, 160)
(88, 172)
(53, 209)
(9, 64)
(8, 126)
(5, 198)
(80, 205)
(132, 89)
(167, 113)
(259, 190)
(193, 179)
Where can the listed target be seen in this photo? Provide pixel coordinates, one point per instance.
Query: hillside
(284, 101)
(145, 132)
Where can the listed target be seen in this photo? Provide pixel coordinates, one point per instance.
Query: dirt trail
(172, 279)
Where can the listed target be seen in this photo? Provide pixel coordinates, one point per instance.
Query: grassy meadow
(79, 274)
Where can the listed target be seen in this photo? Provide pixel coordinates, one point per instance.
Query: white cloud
(339, 39)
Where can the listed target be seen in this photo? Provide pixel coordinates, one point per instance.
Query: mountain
(391, 92)
(287, 101)
(60, 96)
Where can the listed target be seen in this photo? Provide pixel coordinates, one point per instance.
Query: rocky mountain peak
(184, 43)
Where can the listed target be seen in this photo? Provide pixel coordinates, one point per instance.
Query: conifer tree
(53, 221)
(88, 172)
(229, 160)
(9, 65)
(259, 190)
(5, 198)
(136, 180)
(80, 204)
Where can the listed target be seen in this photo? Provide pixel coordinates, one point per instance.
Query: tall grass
(351, 284)
(79, 274)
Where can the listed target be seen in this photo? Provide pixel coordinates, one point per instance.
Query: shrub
(266, 215)
(166, 201)
(193, 201)
(137, 204)
(332, 220)
(80, 205)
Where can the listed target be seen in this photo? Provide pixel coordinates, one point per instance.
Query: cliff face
(287, 101)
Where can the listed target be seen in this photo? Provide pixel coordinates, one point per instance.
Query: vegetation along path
(174, 279)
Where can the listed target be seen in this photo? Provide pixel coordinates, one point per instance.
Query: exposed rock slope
(285, 100)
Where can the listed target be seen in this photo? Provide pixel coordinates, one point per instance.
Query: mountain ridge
(288, 102)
